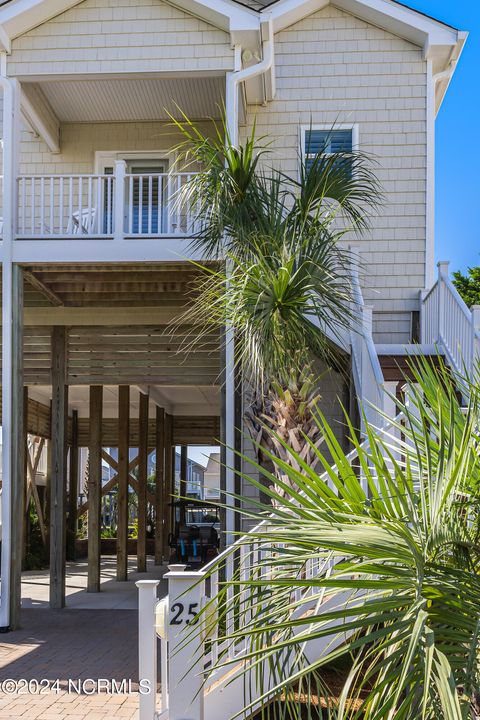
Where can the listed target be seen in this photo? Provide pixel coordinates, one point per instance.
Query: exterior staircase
(194, 686)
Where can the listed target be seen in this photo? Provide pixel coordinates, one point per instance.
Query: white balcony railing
(116, 205)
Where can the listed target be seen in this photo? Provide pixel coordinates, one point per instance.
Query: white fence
(447, 323)
(103, 206)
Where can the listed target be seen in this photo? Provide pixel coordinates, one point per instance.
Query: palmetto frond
(398, 531)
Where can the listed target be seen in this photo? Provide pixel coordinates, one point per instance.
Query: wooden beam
(42, 288)
(160, 518)
(17, 446)
(142, 484)
(73, 490)
(102, 316)
(94, 488)
(40, 116)
(59, 466)
(183, 478)
(123, 476)
(167, 485)
(32, 467)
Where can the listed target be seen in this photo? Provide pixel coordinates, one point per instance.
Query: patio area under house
(107, 401)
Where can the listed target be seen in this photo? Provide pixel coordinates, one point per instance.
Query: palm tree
(281, 276)
(402, 550)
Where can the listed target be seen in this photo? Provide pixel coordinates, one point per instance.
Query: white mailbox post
(186, 591)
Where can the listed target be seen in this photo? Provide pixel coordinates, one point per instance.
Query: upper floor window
(328, 140)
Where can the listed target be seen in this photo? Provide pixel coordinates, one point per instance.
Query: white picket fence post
(186, 652)
(147, 648)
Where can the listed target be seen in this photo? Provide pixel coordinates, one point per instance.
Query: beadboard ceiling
(134, 99)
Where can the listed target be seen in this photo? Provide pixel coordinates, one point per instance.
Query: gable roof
(441, 43)
(260, 5)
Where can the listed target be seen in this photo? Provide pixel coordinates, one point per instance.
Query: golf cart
(194, 540)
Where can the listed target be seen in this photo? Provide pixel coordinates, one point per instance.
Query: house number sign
(181, 614)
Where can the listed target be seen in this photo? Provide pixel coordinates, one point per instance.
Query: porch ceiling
(177, 401)
(133, 99)
(119, 329)
(137, 285)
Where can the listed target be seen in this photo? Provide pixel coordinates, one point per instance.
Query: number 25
(178, 610)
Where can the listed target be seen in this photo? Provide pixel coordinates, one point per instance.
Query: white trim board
(104, 157)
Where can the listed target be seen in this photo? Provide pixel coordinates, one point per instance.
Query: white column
(430, 178)
(147, 648)
(11, 123)
(119, 200)
(231, 111)
(186, 654)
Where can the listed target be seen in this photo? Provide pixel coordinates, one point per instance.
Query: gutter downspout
(239, 76)
(231, 117)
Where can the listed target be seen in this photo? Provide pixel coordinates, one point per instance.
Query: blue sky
(457, 177)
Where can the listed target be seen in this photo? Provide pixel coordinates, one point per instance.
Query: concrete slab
(113, 595)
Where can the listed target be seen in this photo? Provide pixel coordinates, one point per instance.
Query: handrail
(448, 324)
(367, 371)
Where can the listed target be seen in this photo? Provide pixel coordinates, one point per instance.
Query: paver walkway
(83, 646)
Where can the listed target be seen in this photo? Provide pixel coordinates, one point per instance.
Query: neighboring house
(88, 224)
(194, 480)
(211, 477)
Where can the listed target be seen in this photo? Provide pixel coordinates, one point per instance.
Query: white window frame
(109, 157)
(354, 127)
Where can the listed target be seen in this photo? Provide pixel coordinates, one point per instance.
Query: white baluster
(52, 208)
(70, 205)
(150, 204)
(61, 208)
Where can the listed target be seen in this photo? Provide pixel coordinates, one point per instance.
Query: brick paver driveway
(75, 645)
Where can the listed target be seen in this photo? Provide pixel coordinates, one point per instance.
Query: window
(339, 139)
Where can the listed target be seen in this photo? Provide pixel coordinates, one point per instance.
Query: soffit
(134, 99)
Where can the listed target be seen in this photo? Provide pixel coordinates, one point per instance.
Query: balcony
(116, 206)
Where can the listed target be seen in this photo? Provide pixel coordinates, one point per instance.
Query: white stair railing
(447, 323)
(366, 369)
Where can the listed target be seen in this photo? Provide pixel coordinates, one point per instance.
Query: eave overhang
(441, 43)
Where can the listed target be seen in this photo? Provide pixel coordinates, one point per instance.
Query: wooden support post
(173, 489)
(48, 486)
(17, 444)
(26, 493)
(94, 488)
(167, 485)
(160, 507)
(123, 474)
(73, 490)
(59, 467)
(142, 484)
(183, 479)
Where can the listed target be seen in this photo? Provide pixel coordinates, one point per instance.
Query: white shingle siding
(333, 67)
(81, 140)
(104, 36)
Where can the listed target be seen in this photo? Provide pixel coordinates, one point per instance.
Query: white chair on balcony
(82, 222)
